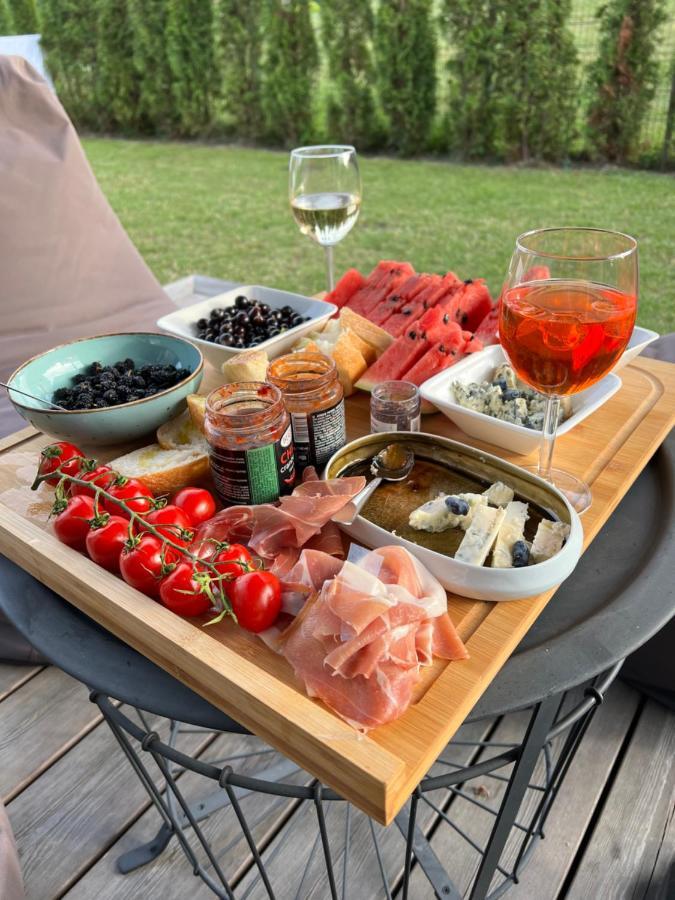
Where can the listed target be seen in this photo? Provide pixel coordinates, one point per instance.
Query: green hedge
(481, 79)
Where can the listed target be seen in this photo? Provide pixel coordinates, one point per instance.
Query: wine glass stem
(548, 436)
(330, 272)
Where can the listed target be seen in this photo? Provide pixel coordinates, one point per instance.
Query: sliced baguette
(197, 409)
(365, 329)
(181, 433)
(163, 471)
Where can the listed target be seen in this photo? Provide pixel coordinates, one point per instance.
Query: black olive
(242, 302)
(264, 308)
(295, 320)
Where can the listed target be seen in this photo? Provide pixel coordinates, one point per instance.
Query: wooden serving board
(237, 673)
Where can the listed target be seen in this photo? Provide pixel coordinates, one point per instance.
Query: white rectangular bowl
(183, 321)
(639, 339)
(480, 367)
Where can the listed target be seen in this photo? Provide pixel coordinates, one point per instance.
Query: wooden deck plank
(171, 875)
(623, 853)
(38, 724)
(65, 819)
(13, 676)
(578, 797)
(662, 883)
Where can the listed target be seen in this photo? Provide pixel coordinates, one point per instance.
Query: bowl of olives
(245, 318)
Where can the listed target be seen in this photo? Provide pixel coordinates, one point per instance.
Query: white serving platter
(183, 321)
(476, 582)
(516, 438)
(639, 339)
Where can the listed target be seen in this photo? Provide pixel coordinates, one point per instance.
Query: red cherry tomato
(133, 492)
(60, 454)
(197, 503)
(256, 600)
(171, 522)
(145, 563)
(101, 476)
(180, 593)
(105, 543)
(72, 525)
(233, 561)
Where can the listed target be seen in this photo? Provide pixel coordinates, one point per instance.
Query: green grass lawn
(223, 211)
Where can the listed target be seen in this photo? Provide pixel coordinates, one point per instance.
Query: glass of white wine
(325, 192)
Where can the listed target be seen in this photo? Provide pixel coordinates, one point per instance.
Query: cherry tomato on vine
(146, 562)
(105, 543)
(72, 525)
(101, 476)
(133, 492)
(171, 522)
(60, 454)
(256, 600)
(180, 593)
(233, 560)
(197, 503)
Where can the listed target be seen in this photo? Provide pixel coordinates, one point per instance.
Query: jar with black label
(314, 398)
(249, 432)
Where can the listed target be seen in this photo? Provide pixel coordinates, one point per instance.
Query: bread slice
(251, 365)
(163, 471)
(350, 363)
(181, 433)
(365, 329)
(197, 409)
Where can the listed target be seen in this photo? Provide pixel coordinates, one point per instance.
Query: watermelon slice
(437, 325)
(487, 331)
(399, 323)
(396, 359)
(473, 304)
(447, 286)
(439, 357)
(385, 277)
(403, 294)
(351, 282)
(473, 344)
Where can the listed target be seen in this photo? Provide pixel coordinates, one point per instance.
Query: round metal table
(621, 593)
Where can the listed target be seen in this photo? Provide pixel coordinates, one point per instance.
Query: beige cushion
(68, 267)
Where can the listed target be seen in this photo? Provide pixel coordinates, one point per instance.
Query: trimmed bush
(24, 14)
(240, 32)
(116, 87)
(291, 60)
(623, 78)
(6, 19)
(148, 21)
(352, 116)
(405, 48)
(190, 55)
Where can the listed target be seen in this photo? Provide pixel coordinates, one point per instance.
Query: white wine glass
(324, 188)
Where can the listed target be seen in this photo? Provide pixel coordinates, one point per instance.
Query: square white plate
(480, 367)
(183, 321)
(639, 339)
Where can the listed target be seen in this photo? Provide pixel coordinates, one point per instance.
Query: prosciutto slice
(360, 639)
(277, 532)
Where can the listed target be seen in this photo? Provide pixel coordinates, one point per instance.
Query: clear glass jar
(314, 398)
(249, 432)
(395, 406)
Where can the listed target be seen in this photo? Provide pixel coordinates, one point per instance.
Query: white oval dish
(480, 367)
(183, 321)
(477, 582)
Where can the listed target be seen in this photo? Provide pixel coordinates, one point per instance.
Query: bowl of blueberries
(245, 318)
(109, 389)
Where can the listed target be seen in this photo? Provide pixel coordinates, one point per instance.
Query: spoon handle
(10, 387)
(359, 501)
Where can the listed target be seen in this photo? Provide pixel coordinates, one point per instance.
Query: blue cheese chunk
(506, 374)
(480, 535)
(471, 396)
(435, 515)
(548, 540)
(498, 494)
(511, 530)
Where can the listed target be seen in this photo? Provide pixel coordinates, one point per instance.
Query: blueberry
(95, 368)
(138, 381)
(457, 506)
(520, 554)
(511, 394)
(502, 385)
(79, 378)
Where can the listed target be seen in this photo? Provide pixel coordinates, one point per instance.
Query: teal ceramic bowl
(44, 374)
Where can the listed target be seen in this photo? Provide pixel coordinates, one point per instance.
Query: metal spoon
(33, 397)
(393, 463)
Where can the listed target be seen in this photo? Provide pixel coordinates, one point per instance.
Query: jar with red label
(250, 436)
(314, 397)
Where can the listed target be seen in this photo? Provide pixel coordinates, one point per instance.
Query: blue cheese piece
(548, 540)
(498, 494)
(511, 530)
(471, 396)
(506, 374)
(435, 515)
(480, 535)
